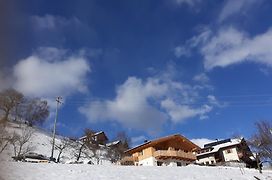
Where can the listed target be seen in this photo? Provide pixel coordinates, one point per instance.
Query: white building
(226, 151)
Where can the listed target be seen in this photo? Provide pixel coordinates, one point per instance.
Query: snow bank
(27, 171)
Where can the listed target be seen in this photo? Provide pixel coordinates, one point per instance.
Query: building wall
(145, 153)
(172, 162)
(146, 158)
(230, 154)
(151, 161)
(206, 160)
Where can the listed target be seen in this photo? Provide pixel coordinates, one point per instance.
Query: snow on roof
(216, 148)
(113, 143)
(95, 134)
(83, 137)
(100, 132)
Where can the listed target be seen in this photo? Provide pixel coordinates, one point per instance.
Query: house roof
(113, 143)
(99, 132)
(217, 146)
(178, 140)
(95, 134)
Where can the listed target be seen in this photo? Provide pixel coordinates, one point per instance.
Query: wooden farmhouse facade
(98, 137)
(174, 150)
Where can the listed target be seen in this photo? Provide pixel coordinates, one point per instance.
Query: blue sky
(150, 68)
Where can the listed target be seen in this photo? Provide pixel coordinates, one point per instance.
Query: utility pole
(58, 100)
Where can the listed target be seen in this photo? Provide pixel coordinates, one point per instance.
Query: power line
(238, 100)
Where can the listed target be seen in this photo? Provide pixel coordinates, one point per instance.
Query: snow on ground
(41, 143)
(10, 170)
(29, 171)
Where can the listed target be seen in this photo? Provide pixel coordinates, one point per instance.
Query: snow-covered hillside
(40, 140)
(40, 143)
(27, 171)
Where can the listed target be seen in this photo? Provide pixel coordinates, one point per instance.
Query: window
(228, 151)
(212, 162)
(159, 163)
(179, 164)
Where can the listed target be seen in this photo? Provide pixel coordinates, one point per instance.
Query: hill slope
(27, 171)
(40, 142)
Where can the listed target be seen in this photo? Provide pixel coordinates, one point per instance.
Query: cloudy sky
(150, 68)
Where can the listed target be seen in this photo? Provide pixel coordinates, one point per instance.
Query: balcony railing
(129, 159)
(166, 154)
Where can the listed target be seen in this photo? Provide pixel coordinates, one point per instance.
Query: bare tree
(125, 140)
(86, 147)
(95, 151)
(79, 149)
(92, 144)
(4, 138)
(116, 151)
(20, 142)
(262, 139)
(61, 146)
(9, 100)
(113, 153)
(34, 111)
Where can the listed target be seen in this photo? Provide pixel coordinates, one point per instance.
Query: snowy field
(10, 170)
(32, 171)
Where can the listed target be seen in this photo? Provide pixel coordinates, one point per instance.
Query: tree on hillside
(20, 141)
(4, 138)
(92, 145)
(34, 111)
(262, 139)
(80, 147)
(9, 100)
(61, 146)
(12, 102)
(117, 152)
(125, 140)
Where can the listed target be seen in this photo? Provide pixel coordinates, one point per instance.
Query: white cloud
(181, 51)
(230, 46)
(201, 141)
(148, 104)
(201, 78)
(187, 2)
(39, 75)
(212, 99)
(51, 22)
(232, 7)
(265, 71)
(131, 106)
(180, 112)
(57, 30)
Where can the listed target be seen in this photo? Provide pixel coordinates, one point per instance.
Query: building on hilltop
(226, 152)
(98, 137)
(174, 150)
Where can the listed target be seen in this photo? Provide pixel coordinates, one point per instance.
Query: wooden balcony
(171, 154)
(129, 159)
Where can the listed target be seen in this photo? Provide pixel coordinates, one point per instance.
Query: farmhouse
(228, 152)
(98, 137)
(174, 150)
